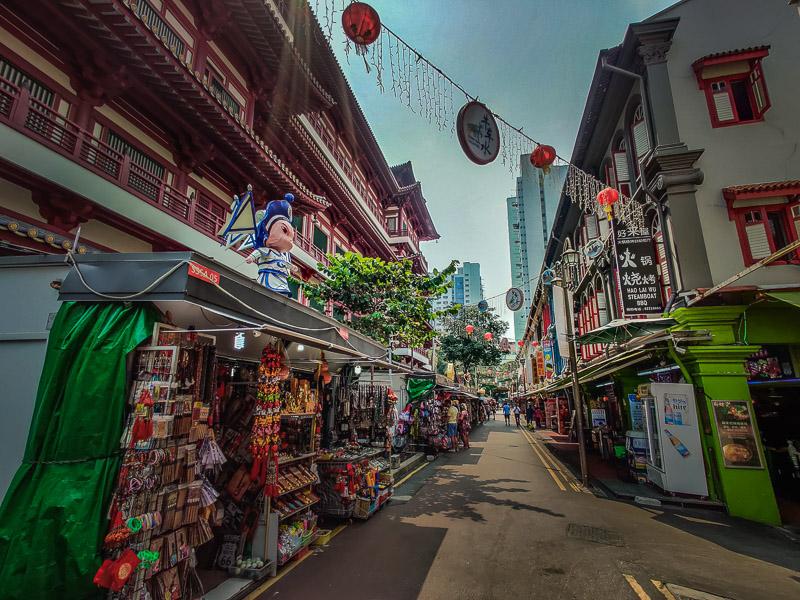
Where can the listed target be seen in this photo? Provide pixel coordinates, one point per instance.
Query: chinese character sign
(477, 133)
(637, 273)
(549, 365)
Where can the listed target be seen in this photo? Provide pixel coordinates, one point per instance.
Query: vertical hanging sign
(547, 352)
(637, 273)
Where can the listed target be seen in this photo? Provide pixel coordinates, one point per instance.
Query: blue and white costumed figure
(269, 233)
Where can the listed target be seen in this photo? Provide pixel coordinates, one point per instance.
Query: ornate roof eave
(263, 30)
(420, 207)
(300, 138)
(173, 76)
(323, 62)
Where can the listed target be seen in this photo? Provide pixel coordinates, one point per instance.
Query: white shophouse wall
(27, 306)
(760, 152)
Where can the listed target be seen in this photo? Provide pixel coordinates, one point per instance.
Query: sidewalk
(568, 451)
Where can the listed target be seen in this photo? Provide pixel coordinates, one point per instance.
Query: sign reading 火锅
(637, 273)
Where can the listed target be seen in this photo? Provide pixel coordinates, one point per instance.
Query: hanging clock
(514, 299)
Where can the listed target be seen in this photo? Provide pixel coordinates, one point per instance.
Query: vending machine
(675, 453)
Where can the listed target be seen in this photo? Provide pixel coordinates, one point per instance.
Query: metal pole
(576, 390)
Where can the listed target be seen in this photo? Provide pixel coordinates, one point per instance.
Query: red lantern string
(362, 24)
(607, 198)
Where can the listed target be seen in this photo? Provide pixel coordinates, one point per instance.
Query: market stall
(193, 420)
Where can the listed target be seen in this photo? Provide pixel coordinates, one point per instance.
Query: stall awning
(186, 284)
(792, 298)
(622, 330)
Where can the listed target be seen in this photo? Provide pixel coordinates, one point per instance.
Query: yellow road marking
(636, 587)
(549, 458)
(546, 466)
(410, 474)
(663, 589)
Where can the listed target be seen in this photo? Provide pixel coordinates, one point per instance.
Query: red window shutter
(758, 240)
(621, 172)
(723, 110)
(759, 90)
(641, 141)
(590, 227)
(610, 181)
(794, 218)
(602, 311)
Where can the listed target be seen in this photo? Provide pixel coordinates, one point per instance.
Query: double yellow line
(553, 466)
(643, 595)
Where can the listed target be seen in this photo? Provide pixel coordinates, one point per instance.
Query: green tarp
(419, 388)
(53, 518)
(792, 298)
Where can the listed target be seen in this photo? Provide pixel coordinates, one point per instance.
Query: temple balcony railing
(20, 111)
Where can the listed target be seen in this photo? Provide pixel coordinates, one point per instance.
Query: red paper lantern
(543, 156)
(488, 335)
(488, 372)
(534, 343)
(469, 329)
(607, 198)
(521, 343)
(361, 23)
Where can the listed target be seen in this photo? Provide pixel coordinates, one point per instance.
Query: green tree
(471, 350)
(389, 302)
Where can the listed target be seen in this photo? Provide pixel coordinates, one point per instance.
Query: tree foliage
(389, 302)
(470, 350)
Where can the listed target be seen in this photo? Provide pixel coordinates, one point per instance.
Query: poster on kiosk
(675, 454)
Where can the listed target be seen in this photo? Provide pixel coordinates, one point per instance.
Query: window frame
(752, 78)
(786, 209)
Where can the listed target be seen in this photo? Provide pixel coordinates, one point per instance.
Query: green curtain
(53, 517)
(418, 388)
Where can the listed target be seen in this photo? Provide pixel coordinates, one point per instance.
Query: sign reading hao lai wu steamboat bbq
(637, 271)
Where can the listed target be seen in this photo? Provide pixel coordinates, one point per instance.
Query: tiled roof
(761, 188)
(731, 54)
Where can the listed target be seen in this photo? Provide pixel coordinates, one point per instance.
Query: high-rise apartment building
(467, 289)
(530, 217)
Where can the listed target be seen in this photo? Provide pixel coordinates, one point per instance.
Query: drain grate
(594, 534)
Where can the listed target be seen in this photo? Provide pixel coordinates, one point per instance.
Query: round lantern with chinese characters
(361, 24)
(542, 157)
(469, 329)
(607, 198)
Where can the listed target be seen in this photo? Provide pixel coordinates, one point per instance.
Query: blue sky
(530, 61)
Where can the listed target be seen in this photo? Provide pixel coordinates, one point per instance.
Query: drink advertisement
(737, 436)
(676, 410)
(637, 420)
(547, 349)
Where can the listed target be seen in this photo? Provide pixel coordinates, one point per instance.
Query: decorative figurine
(271, 235)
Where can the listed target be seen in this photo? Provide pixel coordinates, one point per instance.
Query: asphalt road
(506, 520)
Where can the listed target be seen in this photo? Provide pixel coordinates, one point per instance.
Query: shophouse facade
(138, 122)
(712, 135)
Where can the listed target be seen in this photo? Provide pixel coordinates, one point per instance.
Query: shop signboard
(637, 421)
(477, 133)
(637, 272)
(230, 550)
(540, 363)
(598, 417)
(547, 351)
(737, 436)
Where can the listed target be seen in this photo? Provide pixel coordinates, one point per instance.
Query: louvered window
(734, 86)
(20, 78)
(622, 175)
(641, 141)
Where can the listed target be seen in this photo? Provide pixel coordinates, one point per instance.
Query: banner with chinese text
(637, 273)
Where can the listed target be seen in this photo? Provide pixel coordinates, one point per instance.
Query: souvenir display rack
(157, 507)
(353, 477)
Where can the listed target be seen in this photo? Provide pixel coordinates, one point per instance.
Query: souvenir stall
(355, 477)
(206, 470)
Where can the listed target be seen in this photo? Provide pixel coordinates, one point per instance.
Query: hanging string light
(429, 92)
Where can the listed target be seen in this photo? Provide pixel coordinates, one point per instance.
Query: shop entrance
(775, 391)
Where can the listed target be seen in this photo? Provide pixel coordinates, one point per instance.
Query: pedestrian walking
(452, 426)
(507, 412)
(464, 426)
(529, 413)
(517, 412)
(538, 417)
